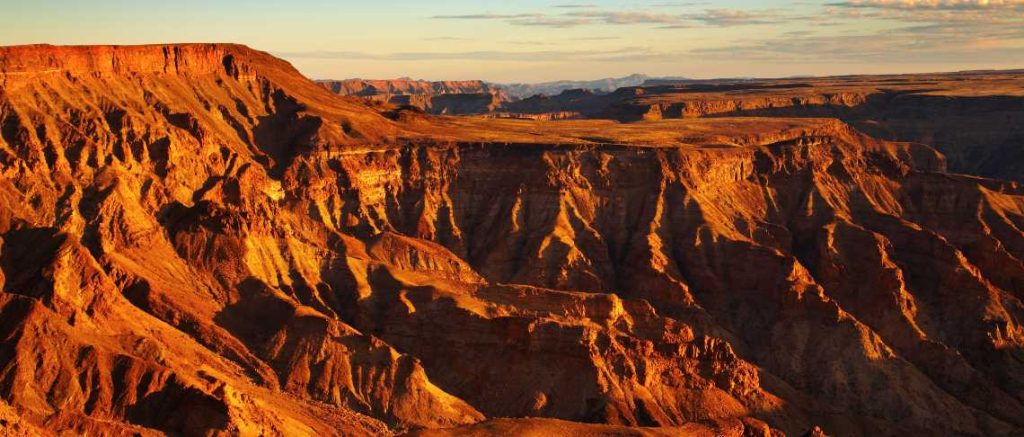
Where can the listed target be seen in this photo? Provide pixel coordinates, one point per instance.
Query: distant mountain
(607, 85)
(406, 87)
(388, 89)
(437, 97)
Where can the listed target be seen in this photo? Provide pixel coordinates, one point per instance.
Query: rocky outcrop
(224, 247)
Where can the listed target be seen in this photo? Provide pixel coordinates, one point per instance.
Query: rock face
(405, 87)
(195, 239)
(445, 97)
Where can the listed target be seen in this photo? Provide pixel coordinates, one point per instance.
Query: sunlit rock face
(198, 240)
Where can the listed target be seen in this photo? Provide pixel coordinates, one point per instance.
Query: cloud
(990, 12)
(864, 32)
(534, 43)
(678, 4)
(595, 38)
(568, 15)
(942, 23)
(960, 5)
(902, 32)
(575, 17)
(737, 17)
(546, 21)
(718, 17)
(486, 16)
(628, 17)
(926, 43)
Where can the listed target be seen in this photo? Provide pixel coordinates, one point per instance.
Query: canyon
(470, 96)
(443, 97)
(975, 118)
(196, 239)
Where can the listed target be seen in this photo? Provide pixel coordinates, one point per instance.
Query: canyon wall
(441, 97)
(201, 241)
(974, 118)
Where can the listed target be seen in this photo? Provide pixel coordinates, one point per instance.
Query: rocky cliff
(442, 97)
(974, 118)
(195, 239)
(405, 87)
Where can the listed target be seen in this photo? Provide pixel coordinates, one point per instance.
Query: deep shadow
(180, 410)
(285, 132)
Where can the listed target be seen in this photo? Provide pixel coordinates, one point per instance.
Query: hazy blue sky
(534, 40)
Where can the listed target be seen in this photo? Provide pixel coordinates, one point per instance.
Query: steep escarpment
(980, 135)
(200, 241)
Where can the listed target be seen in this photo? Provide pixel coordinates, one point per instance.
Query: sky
(537, 40)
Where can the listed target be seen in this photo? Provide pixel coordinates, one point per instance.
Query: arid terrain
(198, 240)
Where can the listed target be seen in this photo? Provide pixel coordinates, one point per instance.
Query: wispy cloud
(737, 17)
(932, 43)
(546, 21)
(991, 12)
(956, 5)
(628, 17)
(486, 16)
(942, 23)
(863, 31)
(678, 4)
(581, 15)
